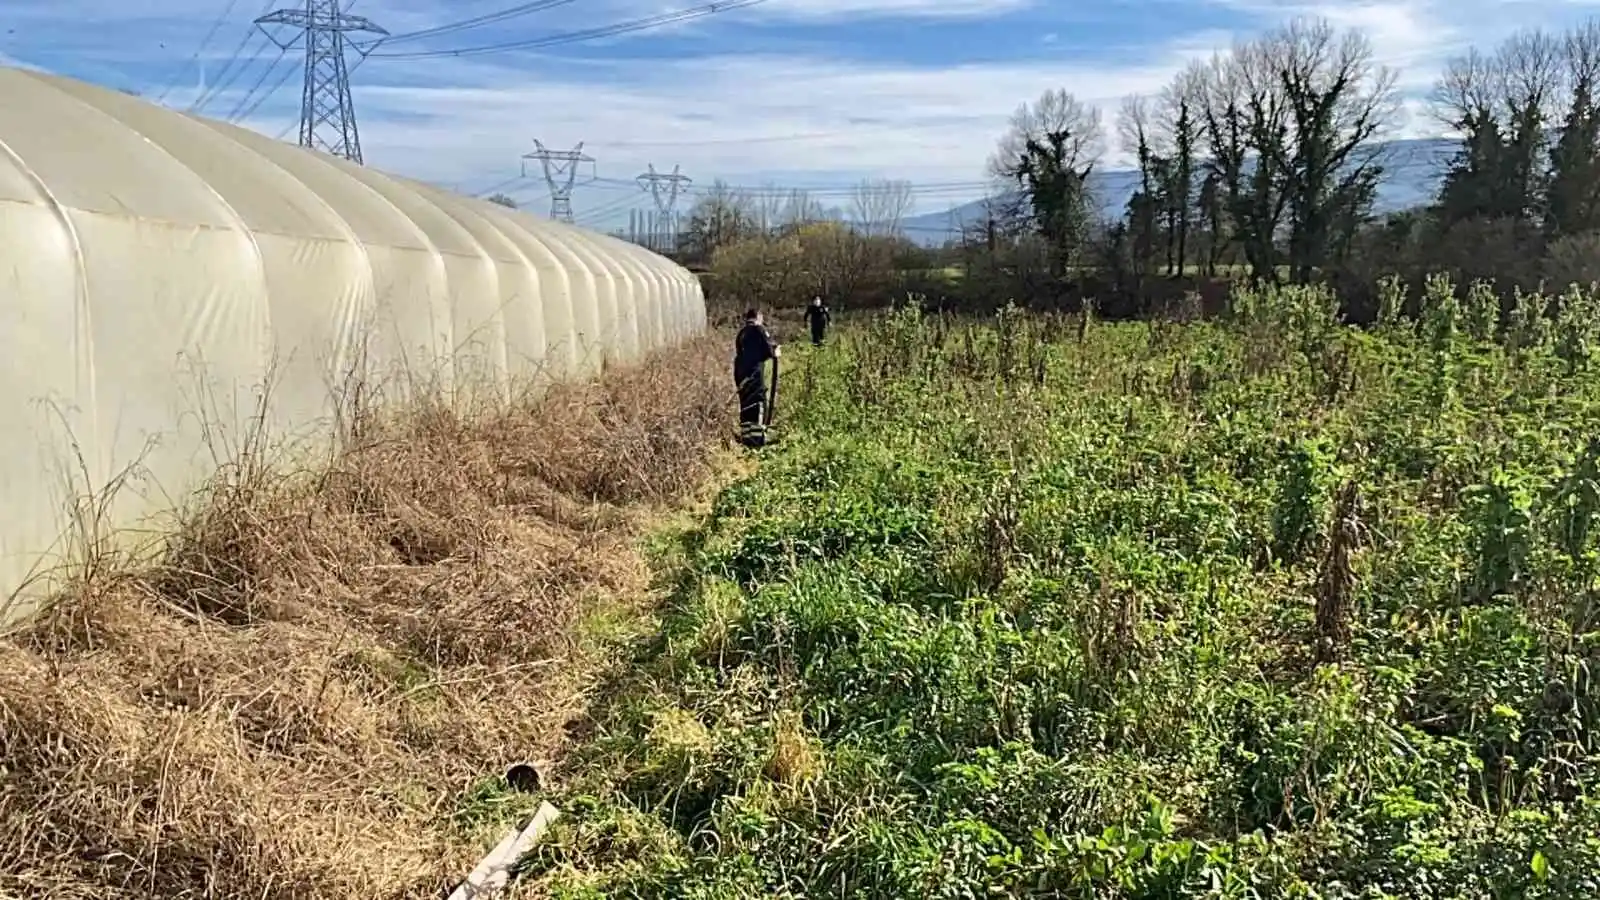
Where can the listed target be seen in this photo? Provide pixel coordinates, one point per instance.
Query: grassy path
(1268, 610)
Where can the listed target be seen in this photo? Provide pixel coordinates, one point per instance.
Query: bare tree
(880, 205)
(1341, 103)
(1133, 132)
(1466, 91)
(1055, 112)
(1242, 111)
(502, 200)
(1581, 53)
(1133, 126)
(721, 217)
(1572, 194)
(1530, 69)
(799, 207)
(766, 207)
(1176, 126)
(1580, 56)
(1502, 105)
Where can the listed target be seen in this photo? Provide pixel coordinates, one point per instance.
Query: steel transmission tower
(327, 113)
(664, 189)
(560, 173)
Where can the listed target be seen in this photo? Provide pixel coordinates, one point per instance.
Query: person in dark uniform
(817, 316)
(751, 349)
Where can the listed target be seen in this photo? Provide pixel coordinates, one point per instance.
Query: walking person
(752, 348)
(818, 316)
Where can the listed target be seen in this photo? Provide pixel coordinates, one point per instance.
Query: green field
(1269, 607)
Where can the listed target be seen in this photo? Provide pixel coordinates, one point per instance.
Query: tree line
(1264, 162)
(781, 248)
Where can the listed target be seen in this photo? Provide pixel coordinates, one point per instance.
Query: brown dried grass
(293, 701)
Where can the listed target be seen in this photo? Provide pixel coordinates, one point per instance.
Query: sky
(790, 93)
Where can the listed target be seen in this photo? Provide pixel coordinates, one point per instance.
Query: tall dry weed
(293, 699)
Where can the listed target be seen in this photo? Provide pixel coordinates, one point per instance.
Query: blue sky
(786, 92)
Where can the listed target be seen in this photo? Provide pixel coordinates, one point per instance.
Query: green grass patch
(1050, 608)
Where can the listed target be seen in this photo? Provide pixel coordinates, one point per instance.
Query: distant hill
(1413, 169)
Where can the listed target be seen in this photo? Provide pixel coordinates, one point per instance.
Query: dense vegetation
(1269, 607)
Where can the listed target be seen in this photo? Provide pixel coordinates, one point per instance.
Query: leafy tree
(763, 270)
(1052, 176)
(837, 261)
(1339, 104)
(1573, 204)
(1209, 209)
(1133, 126)
(1291, 124)
(1177, 106)
(1500, 104)
(1247, 121)
(1140, 234)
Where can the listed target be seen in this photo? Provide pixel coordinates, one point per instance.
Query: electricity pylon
(560, 173)
(327, 113)
(665, 189)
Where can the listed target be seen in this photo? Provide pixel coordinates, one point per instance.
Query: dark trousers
(752, 410)
(817, 332)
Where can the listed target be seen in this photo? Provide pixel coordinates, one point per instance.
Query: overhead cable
(587, 34)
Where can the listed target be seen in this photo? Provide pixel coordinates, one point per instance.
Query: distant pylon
(664, 188)
(327, 114)
(560, 172)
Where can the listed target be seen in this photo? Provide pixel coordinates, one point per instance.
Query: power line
(773, 139)
(848, 131)
(264, 97)
(224, 79)
(587, 34)
(325, 111)
(265, 74)
(520, 9)
(489, 191)
(591, 216)
(779, 191)
(839, 191)
(207, 94)
(195, 58)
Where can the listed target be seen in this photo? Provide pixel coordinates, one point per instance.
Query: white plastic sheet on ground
(158, 269)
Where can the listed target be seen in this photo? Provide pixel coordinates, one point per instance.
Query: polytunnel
(171, 283)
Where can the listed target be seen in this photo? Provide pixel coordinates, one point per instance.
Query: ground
(312, 691)
(1263, 607)
(1266, 607)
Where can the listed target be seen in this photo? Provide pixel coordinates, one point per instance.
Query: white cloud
(831, 9)
(1414, 36)
(786, 114)
(747, 119)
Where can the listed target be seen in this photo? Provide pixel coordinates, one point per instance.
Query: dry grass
(295, 701)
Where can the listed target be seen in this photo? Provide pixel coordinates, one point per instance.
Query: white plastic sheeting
(158, 269)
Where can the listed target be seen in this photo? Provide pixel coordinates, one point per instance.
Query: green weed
(1263, 608)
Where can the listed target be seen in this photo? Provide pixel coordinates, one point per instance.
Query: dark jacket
(751, 349)
(818, 317)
